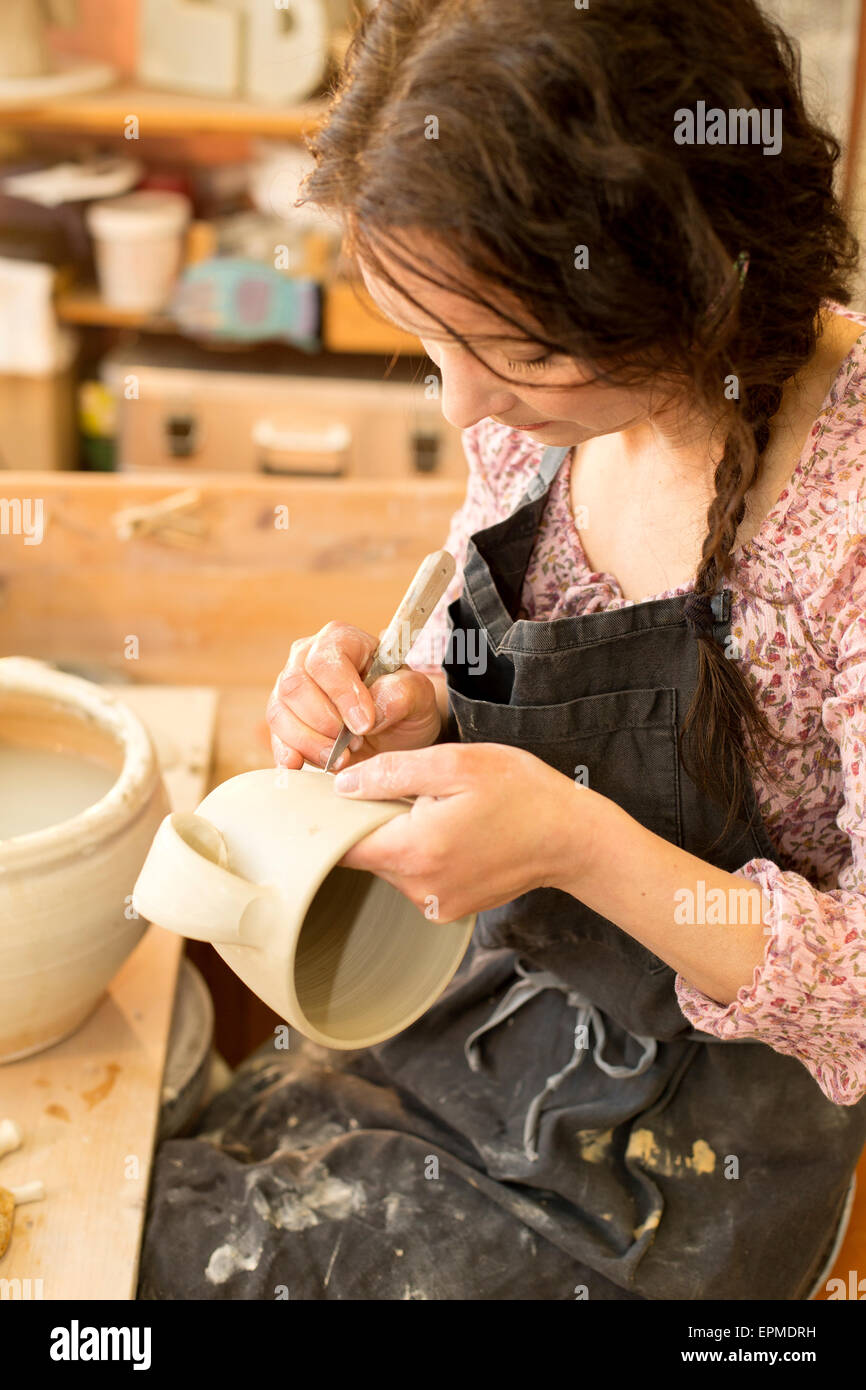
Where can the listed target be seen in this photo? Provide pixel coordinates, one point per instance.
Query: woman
(631, 1090)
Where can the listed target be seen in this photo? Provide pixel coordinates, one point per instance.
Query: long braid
(719, 679)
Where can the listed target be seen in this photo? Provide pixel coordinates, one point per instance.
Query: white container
(139, 247)
(32, 342)
(87, 804)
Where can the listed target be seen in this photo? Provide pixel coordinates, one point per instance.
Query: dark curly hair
(556, 129)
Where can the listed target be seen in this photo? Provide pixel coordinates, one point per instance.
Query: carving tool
(434, 575)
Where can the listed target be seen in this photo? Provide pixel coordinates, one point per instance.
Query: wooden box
(295, 424)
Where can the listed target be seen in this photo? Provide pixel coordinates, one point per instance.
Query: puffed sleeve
(808, 996)
(480, 508)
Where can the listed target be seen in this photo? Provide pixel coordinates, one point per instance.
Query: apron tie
(530, 984)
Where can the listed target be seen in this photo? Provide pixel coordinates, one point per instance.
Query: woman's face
(552, 398)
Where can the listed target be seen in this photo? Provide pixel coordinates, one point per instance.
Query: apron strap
(551, 461)
(530, 984)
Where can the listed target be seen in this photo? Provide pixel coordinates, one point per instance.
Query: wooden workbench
(222, 599)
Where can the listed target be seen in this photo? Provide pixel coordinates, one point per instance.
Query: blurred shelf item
(138, 243)
(163, 113)
(351, 321)
(200, 242)
(83, 304)
(74, 80)
(74, 181)
(31, 340)
(37, 423)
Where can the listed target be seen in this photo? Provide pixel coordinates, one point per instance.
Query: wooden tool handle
(434, 575)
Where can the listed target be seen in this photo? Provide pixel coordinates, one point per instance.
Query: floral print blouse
(798, 615)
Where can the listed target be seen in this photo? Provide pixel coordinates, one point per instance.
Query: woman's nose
(470, 392)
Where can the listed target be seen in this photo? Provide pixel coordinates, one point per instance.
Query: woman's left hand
(490, 822)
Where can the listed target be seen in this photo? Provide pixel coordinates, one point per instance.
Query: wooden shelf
(163, 113)
(351, 321)
(83, 305)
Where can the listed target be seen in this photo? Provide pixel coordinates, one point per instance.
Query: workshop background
(183, 353)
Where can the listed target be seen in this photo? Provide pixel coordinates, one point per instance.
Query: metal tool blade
(339, 747)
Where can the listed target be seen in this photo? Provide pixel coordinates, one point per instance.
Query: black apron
(553, 1127)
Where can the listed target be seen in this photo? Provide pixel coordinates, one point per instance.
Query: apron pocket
(622, 744)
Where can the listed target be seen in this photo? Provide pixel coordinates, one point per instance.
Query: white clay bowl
(66, 920)
(339, 953)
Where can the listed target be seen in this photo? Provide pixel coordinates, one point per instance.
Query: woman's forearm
(659, 893)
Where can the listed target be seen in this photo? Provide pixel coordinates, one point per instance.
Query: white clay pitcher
(339, 953)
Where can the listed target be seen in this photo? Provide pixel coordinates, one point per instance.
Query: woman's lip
(536, 425)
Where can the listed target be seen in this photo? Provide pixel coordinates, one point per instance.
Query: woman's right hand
(321, 685)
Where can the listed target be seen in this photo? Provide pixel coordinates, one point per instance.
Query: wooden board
(88, 1108)
(229, 604)
(352, 323)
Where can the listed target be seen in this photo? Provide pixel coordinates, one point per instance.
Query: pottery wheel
(188, 1060)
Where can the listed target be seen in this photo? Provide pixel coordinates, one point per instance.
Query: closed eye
(532, 363)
